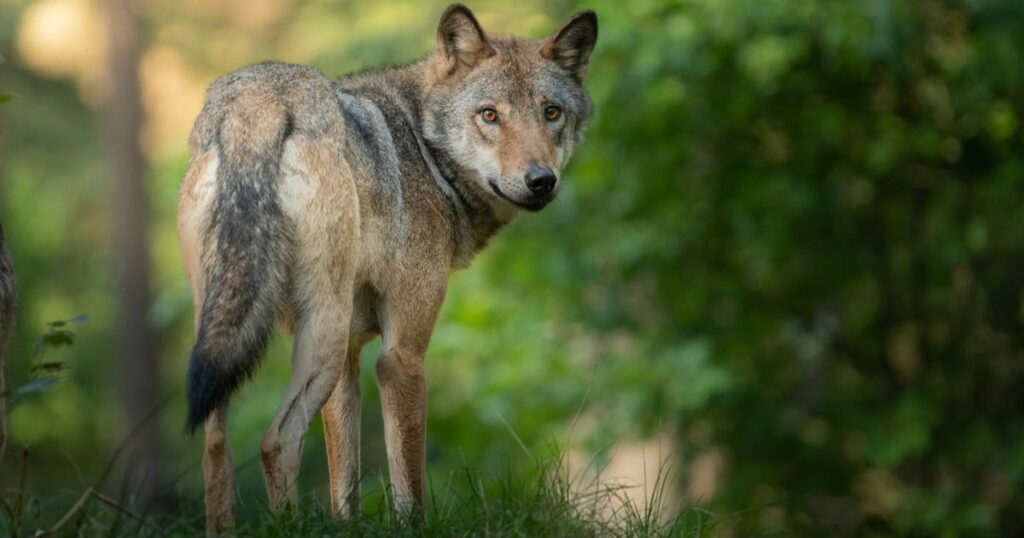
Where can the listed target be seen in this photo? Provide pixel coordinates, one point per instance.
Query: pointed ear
(571, 46)
(460, 40)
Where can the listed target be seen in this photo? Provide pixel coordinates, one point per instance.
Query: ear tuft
(461, 43)
(571, 46)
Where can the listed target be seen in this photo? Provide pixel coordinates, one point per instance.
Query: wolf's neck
(474, 220)
(472, 217)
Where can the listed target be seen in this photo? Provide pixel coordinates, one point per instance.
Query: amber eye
(552, 113)
(489, 115)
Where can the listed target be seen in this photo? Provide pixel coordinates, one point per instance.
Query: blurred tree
(138, 355)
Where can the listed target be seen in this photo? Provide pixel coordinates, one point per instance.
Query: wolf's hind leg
(317, 361)
(319, 198)
(341, 417)
(218, 474)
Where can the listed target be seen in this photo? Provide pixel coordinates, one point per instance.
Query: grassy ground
(544, 502)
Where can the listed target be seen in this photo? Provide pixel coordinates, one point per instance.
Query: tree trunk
(138, 366)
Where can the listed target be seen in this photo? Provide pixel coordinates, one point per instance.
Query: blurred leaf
(47, 367)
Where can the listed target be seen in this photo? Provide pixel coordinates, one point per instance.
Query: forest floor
(546, 502)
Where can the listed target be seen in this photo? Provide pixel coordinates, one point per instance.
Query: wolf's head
(508, 110)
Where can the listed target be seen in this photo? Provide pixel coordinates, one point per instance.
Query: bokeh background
(786, 270)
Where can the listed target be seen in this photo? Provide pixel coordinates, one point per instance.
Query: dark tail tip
(207, 386)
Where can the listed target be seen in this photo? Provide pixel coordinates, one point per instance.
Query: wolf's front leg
(403, 387)
(403, 396)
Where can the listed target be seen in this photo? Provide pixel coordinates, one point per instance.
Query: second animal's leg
(218, 474)
(341, 417)
(8, 297)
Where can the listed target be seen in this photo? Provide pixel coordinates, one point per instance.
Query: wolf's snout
(540, 179)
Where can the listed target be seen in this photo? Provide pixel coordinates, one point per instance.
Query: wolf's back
(245, 124)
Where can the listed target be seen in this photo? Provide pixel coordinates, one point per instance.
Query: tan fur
(194, 209)
(218, 475)
(341, 418)
(327, 241)
(523, 142)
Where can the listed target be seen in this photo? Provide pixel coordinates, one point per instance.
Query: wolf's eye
(489, 115)
(552, 113)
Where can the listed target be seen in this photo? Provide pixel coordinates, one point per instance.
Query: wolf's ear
(460, 40)
(571, 46)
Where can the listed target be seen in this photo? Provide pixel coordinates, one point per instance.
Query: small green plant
(43, 373)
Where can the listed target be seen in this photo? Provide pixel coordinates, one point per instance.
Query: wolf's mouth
(529, 206)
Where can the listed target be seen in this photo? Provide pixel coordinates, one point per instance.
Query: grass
(544, 501)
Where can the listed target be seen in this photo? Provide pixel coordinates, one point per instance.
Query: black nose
(540, 179)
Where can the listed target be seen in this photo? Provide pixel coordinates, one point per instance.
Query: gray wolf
(8, 298)
(337, 210)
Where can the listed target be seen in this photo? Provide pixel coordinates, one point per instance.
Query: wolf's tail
(245, 262)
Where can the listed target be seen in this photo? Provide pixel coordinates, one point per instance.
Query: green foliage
(825, 195)
(44, 374)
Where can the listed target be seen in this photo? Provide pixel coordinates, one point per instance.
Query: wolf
(336, 210)
(8, 298)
